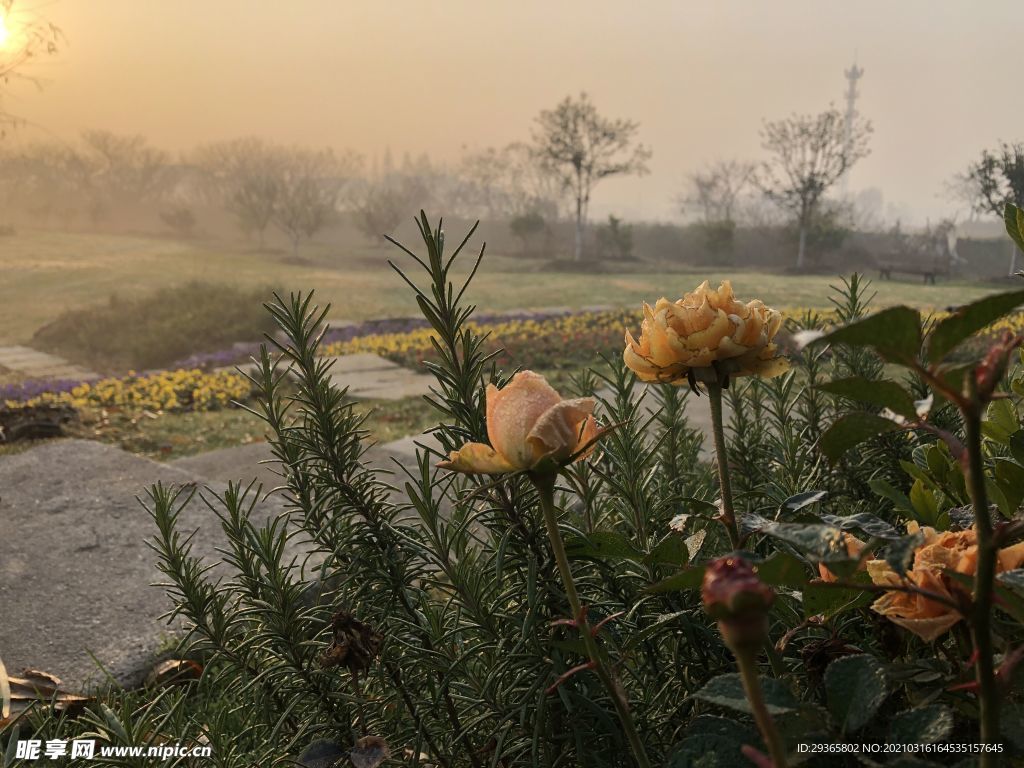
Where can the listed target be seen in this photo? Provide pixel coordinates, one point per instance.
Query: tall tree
(809, 154)
(574, 141)
(996, 179)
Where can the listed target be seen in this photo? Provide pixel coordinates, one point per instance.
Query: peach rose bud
(528, 422)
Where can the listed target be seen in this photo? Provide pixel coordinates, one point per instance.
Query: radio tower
(853, 74)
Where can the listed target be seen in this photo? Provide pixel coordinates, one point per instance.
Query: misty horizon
(324, 77)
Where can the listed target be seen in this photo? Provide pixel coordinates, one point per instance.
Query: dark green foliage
(157, 330)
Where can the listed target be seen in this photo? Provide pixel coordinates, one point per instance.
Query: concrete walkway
(39, 365)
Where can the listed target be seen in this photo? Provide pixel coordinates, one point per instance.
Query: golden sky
(438, 76)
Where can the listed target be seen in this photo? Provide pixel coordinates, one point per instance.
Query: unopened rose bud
(992, 368)
(733, 594)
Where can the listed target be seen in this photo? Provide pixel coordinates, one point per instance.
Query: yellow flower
(527, 422)
(952, 551)
(703, 328)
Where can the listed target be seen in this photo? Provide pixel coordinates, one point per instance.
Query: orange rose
(527, 422)
(705, 327)
(854, 547)
(955, 551)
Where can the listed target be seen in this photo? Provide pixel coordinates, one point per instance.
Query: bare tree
(380, 205)
(582, 147)
(310, 187)
(127, 170)
(809, 154)
(996, 179)
(246, 175)
(27, 38)
(715, 190)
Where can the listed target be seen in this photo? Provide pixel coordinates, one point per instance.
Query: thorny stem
(981, 621)
(745, 659)
(545, 484)
(722, 460)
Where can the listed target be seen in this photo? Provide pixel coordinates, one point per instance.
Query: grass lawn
(45, 273)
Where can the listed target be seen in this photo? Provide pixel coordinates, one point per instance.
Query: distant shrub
(155, 330)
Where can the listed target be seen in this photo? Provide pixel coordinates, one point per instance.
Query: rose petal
(476, 458)
(512, 413)
(557, 431)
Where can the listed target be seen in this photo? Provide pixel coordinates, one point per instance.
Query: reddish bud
(992, 368)
(733, 594)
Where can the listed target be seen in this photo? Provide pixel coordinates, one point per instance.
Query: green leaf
(926, 508)
(798, 501)
(851, 429)
(713, 742)
(1001, 421)
(1017, 445)
(690, 578)
(709, 750)
(1010, 477)
(782, 569)
(671, 550)
(855, 687)
(1013, 219)
(864, 522)
(727, 691)
(817, 541)
(603, 545)
(884, 394)
(923, 725)
(886, 490)
(823, 600)
(970, 319)
(894, 332)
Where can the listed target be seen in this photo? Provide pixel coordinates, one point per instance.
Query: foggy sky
(940, 83)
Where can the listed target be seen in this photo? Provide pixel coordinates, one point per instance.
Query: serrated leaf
(923, 725)
(864, 522)
(855, 687)
(1016, 443)
(727, 691)
(851, 429)
(603, 545)
(1013, 220)
(818, 542)
(968, 320)
(708, 750)
(671, 550)
(884, 394)
(894, 332)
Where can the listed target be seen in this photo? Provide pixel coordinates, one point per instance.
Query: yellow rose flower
(955, 551)
(705, 327)
(527, 422)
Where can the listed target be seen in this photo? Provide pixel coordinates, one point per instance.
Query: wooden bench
(929, 271)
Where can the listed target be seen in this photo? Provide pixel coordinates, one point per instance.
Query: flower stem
(984, 584)
(722, 460)
(747, 662)
(545, 485)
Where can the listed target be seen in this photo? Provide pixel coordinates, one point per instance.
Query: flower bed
(179, 390)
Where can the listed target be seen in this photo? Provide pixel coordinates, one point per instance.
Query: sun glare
(4, 34)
